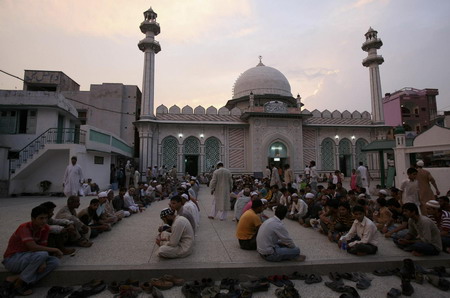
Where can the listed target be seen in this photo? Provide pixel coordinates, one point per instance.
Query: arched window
(277, 149)
(192, 146)
(360, 155)
(169, 152)
(212, 152)
(328, 154)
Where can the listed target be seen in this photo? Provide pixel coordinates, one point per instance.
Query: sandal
(161, 283)
(177, 281)
(363, 282)
(276, 280)
(313, 278)
(298, 275)
(58, 292)
(439, 282)
(394, 293)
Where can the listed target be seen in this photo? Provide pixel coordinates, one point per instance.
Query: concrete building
(261, 124)
(40, 129)
(411, 108)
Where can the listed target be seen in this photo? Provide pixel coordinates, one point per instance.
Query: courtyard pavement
(129, 251)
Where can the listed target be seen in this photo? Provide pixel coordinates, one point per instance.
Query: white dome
(261, 80)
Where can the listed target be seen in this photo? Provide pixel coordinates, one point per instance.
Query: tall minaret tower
(150, 47)
(371, 45)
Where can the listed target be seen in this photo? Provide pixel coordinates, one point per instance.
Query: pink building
(413, 108)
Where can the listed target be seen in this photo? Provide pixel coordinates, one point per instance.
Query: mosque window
(360, 155)
(212, 152)
(328, 155)
(192, 146)
(169, 151)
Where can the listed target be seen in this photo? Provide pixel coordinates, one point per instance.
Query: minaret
(150, 47)
(371, 45)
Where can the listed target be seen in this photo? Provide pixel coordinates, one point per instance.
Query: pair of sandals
(59, 292)
(280, 280)
(340, 287)
(287, 292)
(257, 285)
(91, 288)
(308, 278)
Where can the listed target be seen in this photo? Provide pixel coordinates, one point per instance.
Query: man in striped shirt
(442, 220)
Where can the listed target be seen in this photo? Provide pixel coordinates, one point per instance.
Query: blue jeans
(282, 253)
(27, 264)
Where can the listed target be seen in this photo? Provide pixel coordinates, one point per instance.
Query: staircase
(50, 136)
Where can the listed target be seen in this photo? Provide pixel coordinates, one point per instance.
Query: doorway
(191, 164)
(345, 164)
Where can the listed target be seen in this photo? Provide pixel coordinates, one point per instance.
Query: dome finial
(260, 61)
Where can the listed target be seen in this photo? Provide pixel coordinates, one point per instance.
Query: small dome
(261, 80)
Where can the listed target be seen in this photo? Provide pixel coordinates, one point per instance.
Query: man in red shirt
(27, 253)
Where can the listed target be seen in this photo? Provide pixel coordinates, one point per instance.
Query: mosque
(262, 123)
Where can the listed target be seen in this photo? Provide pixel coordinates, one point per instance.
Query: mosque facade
(262, 123)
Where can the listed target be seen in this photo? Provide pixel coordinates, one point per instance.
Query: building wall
(35, 78)
(112, 107)
(392, 112)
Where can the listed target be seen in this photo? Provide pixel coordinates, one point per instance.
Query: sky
(207, 44)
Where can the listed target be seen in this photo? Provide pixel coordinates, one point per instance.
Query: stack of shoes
(257, 285)
(337, 285)
(161, 283)
(407, 273)
(287, 292)
(58, 292)
(313, 279)
(192, 289)
(91, 288)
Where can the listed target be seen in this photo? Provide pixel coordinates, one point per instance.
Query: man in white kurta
(364, 177)
(275, 178)
(179, 242)
(221, 185)
(72, 178)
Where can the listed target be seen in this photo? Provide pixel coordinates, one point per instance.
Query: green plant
(45, 185)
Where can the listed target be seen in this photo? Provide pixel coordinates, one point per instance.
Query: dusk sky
(207, 44)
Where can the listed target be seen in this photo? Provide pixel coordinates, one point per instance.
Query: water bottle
(344, 245)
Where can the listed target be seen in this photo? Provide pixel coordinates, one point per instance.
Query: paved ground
(128, 251)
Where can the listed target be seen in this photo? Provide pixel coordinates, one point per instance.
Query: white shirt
(365, 230)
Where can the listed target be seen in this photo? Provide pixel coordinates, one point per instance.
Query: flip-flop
(350, 276)
(335, 285)
(334, 276)
(275, 280)
(58, 292)
(438, 282)
(363, 282)
(386, 272)
(285, 280)
(313, 278)
(298, 275)
(351, 293)
(394, 293)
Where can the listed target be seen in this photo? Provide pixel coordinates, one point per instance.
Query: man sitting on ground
(27, 254)
(441, 219)
(240, 203)
(362, 238)
(178, 243)
(177, 204)
(83, 232)
(423, 236)
(90, 218)
(248, 226)
(298, 207)
(273, 241)
(119, 202)
(60, 230)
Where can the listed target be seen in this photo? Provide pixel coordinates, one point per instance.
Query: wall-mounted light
(336, 136)
(202, 136)
(353, 137)
(180, 135)
(277, 148)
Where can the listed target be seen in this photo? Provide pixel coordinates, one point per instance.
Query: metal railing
(50, 136)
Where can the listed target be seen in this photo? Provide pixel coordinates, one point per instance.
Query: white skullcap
(103, 194)
(309, 195)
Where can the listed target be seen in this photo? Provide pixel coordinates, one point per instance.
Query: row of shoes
(414, 272)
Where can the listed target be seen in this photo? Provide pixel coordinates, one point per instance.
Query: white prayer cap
(185, 196)
(103, 194)
(294, 195)
(362, 195)
(254, 194)
(264, 201)
(420, 163)
(383, 192)
(309, 195)
(433, 204)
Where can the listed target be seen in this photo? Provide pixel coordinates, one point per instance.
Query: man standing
(273, 241)
(288, 175)
(275, 177)
(27, 253)
(221, 185)
(73, 178)
(361, 172)
(179, 242)
(424, 179)
(313, 176)
(248, 226)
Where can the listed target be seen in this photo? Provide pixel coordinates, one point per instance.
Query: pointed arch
(328, 154)
(360, 155)
(169, 151)
(212, 152)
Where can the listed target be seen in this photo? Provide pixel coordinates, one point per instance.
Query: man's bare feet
(12, 278)
(42, 268)
(300, 258)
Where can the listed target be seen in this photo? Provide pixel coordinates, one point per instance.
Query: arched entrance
(191, 156)
(345, 157)
(277, 154)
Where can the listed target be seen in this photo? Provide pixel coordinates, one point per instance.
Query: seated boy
(27, 254)
(362, 238)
